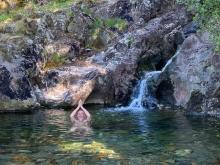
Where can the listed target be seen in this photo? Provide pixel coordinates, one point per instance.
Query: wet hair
(84, 115)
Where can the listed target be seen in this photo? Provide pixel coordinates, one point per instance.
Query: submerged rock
(183, 152)
(95, 148)
(21, 159)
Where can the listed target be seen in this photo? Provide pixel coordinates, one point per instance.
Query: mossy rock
(97, 149)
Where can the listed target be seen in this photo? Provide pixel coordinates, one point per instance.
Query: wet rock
(194, 74)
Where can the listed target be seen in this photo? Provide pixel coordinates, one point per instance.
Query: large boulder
(193, 75)
(18, 60)
(65, 86)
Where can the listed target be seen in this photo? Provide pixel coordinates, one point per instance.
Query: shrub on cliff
(207, 14)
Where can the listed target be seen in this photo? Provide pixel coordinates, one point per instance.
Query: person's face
(81, 115)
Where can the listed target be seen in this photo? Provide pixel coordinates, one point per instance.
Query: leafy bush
(55, 61)
(207, 14)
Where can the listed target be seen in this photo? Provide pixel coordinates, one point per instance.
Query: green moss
(101, 25)
(117, 23)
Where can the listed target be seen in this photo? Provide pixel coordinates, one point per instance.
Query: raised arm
(87, 113)
(72, 115)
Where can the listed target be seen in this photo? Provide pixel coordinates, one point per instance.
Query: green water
(117, 138)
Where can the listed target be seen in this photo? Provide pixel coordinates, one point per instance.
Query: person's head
(80, 115)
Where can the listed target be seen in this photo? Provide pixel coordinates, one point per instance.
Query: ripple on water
(116, 137)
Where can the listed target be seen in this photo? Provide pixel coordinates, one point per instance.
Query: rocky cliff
(92, 51)
(45, 59)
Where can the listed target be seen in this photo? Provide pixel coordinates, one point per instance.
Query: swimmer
(80, 118)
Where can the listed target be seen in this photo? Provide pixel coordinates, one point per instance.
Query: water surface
(124, 138)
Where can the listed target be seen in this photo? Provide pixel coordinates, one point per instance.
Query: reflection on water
(116, 138)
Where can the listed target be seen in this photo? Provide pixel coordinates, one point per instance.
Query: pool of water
(121, 138)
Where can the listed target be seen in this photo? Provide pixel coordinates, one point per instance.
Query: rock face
(123, 57)
(15, 68)
(194, 75)
(83, 53)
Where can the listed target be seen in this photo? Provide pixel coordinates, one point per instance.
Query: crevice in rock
(164, 93)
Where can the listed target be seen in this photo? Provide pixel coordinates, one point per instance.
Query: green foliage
(207, 14)
(31, 7)
(55, 61)
(99, 24)
(118, 23)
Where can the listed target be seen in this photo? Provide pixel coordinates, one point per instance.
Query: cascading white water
(142, 93)
(137, 102)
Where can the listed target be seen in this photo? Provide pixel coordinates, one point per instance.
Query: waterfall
(137, 102)
(142, 95)
(145, 91)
